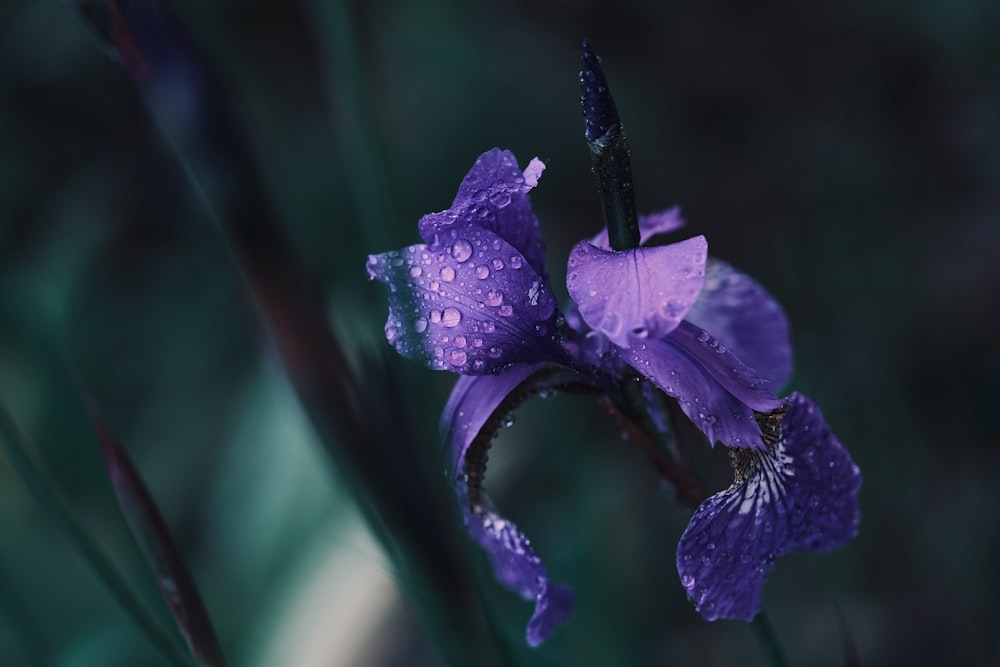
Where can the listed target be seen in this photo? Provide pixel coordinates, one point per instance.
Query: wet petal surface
(638, 293)
(494, 196)
(470, 304)
(469, 419)
(720, 415)
(800, 494)
(746, 319)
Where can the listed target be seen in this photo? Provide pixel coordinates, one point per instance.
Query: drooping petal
(469, 305)
(494, 196)
(720, 415)
(650, 225)
(643, 292)
(475, 406)
(746, 319)
(728, 370)
(800, 494)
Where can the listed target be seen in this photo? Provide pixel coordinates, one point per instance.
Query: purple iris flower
(474, 299)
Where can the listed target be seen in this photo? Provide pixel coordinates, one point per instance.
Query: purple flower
(474, 299)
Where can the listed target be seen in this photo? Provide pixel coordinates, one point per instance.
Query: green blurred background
(847, 156)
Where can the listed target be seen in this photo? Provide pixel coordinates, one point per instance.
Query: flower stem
(768, 639)
(610, 153)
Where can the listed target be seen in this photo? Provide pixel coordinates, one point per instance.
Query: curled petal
(494, 196)
(638, 293)
(800, 494)
(729, 371)
(720, 415)
(470, 418)
(744, 317)
(650, 225)
(470, 304)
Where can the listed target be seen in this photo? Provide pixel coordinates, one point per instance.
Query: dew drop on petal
(460, 341)
(415, 271)
(495, 352)
(500, 199)
(505, 310)
(447, 274)
(494, 298)
(516, 262)
(457, 357)
(498, 264)
(687, 581)
(420, 325)
(435, 316)
(461, 250)
(450, 317)
(488, 327)
(482, 272)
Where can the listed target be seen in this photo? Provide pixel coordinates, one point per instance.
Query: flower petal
(798, 495)
(748, 320)
(715, 411)
(474, 402)
(494, 196)
(636, 293)
(736, 377)
(650, 225)
(470, 304)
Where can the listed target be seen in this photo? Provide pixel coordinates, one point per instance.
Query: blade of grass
(150, 532)
(397, 488)
(45, 492)
(768, 640)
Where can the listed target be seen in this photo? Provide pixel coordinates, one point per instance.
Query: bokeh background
(846, 155)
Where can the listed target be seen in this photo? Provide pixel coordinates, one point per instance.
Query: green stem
(48, 496)
(768, 640)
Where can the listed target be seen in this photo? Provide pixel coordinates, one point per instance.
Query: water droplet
(390, 333)
(434, 286)
(500, 199)
(415, 271)
(488, 327)
(687, 581)
(479, 364)
(435, 316)
(703, 336)
(451, 317)
(461, 250)
(495, 352)
(447, 274)
(420, 325)
(477, 342)
(457, 357)
(498, 264)
(494, 298)
(516, 262)
(505, 310)
(533, 293)
(482, 272)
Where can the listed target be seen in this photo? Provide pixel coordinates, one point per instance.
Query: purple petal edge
(799, 495)
(472, 403)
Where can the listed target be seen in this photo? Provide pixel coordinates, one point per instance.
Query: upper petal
(650, 225)
(469, 304)
(798, 494)
(494, 196)
(475, 405)
(748, 320)
(640, 292)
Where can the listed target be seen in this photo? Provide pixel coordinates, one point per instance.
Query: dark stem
(610, 153)
(768, 639)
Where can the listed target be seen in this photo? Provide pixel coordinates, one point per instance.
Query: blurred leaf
(45, 492)
(150, 533)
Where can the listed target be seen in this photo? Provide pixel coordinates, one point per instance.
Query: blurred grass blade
(395, 485)
(150, 533)
(26, 632)
(45, 492)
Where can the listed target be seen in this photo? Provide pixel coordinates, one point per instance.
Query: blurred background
(846, 156)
